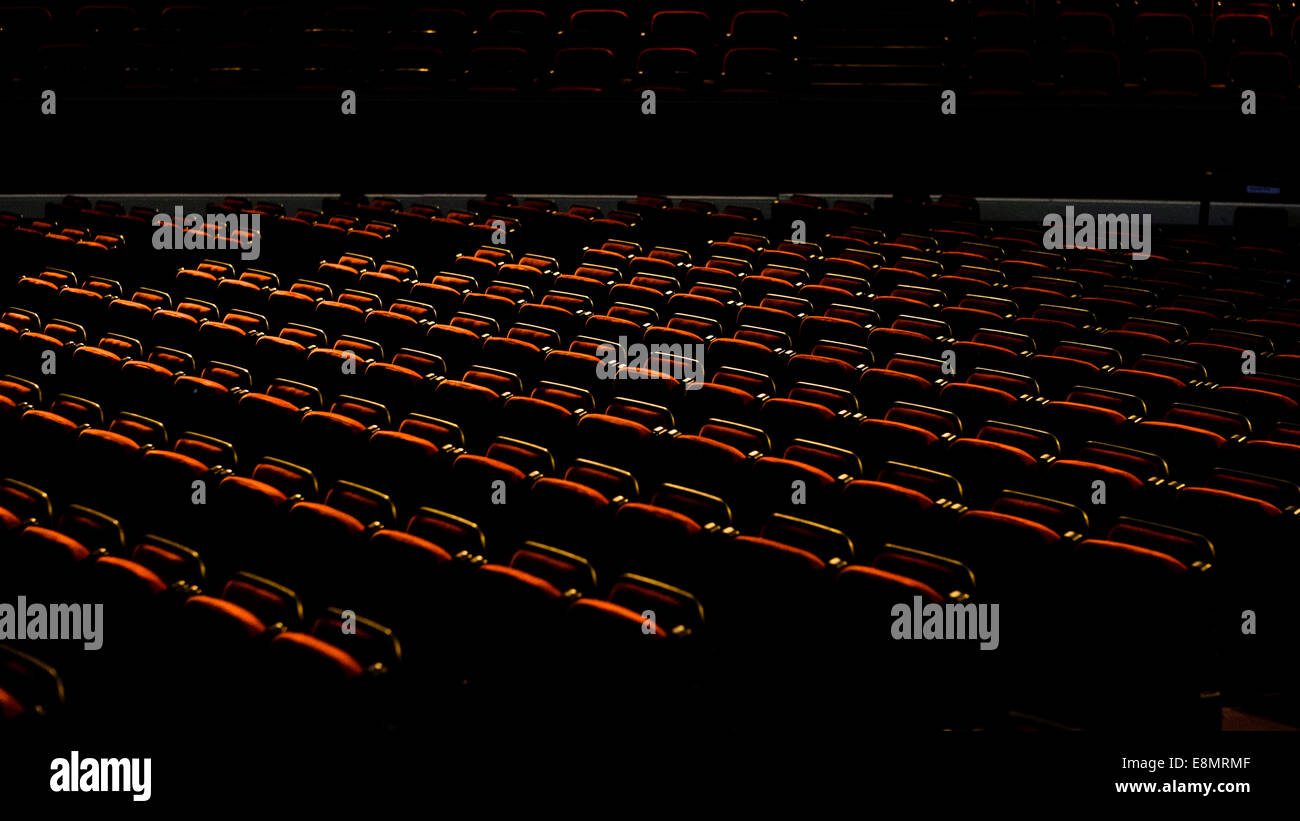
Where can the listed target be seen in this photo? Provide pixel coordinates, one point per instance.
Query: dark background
(304, 144)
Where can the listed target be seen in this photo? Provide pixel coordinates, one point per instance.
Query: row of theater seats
(1143, 25)
(1090, 48)
(915, 402)
(449, 26)
(1157, 72)
(515, 49)
(1180, 49)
